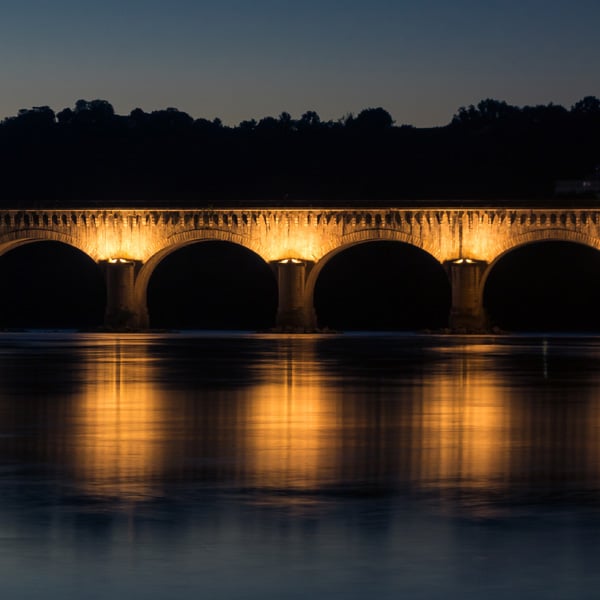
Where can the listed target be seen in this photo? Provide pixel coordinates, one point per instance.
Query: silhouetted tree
(137, 117)
(267, 124)
(65, 116)
(93, 112)
(373, 119)
(40, 117)
(170, 119)
(590, 105)
(309, 119)
(486, 112)
(248, 125)
(285, 121)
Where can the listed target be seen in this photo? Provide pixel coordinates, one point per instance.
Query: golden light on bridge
(114, 261)
(120, 240)
(310, 235)
(460, 261)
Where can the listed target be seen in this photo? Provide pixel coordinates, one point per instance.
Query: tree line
(491, 152)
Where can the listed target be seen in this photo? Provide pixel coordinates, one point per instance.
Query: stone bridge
(297, 243)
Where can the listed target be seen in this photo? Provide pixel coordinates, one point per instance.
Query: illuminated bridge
(297, 243)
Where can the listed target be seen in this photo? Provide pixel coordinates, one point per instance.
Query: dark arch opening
(545, 286)
(382, 286)
(50, 285)
(212, 285)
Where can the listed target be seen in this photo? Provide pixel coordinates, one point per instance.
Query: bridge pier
(294, 311)
(467, 310)
(122, 309)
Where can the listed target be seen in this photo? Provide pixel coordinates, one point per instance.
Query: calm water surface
(249, 466)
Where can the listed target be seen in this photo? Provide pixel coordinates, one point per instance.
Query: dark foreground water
(343, 467)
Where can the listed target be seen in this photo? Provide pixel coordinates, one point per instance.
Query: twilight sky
(241, 59)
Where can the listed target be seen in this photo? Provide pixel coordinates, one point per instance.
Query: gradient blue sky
(238, 59)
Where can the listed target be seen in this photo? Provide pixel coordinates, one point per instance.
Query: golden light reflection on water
(307, 429)
(464, 424)
(118, 422)
(293, 423)
(291, 427)
(281, 430)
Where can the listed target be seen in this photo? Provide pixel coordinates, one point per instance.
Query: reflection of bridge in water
(295, 418)
(297, 243)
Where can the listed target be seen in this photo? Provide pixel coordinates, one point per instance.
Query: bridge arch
(181, 241)
(381, 247)
(361, 236)
(186, 238)
(510, 244)
(356, 239)
(549, 283)
(14, 239)
(49, 283)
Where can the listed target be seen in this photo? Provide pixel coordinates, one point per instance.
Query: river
(235, 465)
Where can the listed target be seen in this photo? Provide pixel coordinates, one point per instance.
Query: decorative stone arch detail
(336, 242)
(192, 236)
(532, 237)
(355, 239)
(17, 238)
(178, 241)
